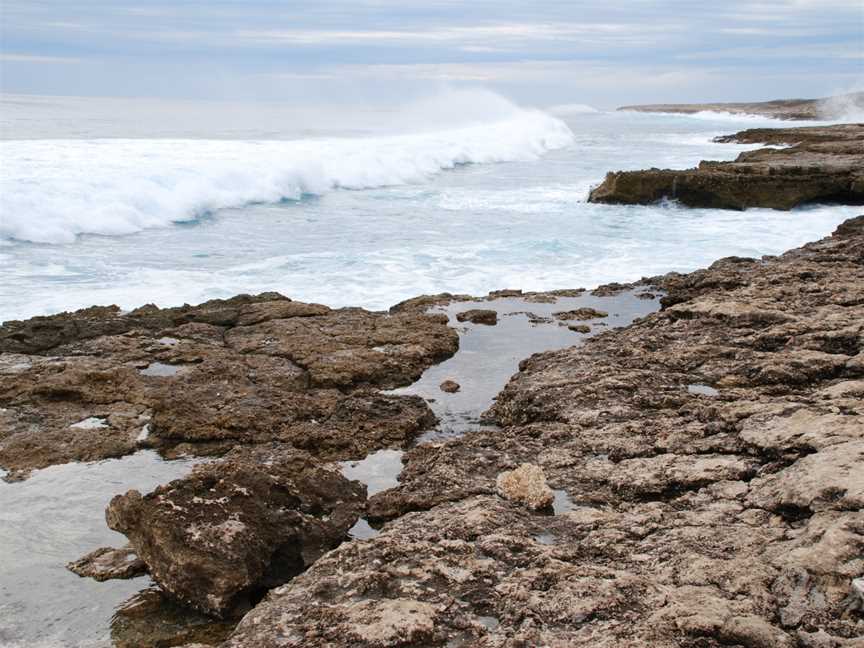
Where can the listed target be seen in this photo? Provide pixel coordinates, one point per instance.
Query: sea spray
(53, 190)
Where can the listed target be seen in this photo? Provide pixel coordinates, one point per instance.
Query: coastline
(706, 460)
(815, 164)
(784, 109)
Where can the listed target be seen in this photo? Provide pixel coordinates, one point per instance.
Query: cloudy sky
(603, 52)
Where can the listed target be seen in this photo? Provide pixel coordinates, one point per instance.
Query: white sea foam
(53, 190)
(573, 109)
(727, 117)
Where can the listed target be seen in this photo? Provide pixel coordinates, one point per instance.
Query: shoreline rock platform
(713, 458)
(818, 164)
(98, 383)
(787, 109)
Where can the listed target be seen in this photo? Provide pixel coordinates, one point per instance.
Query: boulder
(526, 485)
(231, 528)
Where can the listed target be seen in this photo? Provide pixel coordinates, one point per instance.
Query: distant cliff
(795, 109)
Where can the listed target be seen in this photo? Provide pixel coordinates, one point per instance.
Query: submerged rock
(580, 314)
(150, 619)
(251, 521)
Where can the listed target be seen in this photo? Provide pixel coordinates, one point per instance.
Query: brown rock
(478, 316)
(247, 370)
(526, 485)
(824, 165)
(107, 563)
(253, 520)
(580, 314)
(450, 386)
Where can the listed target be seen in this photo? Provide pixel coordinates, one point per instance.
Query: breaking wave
(53, 190)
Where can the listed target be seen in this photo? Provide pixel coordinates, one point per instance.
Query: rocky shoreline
(816, 164)
(788, 109)
(694, 479)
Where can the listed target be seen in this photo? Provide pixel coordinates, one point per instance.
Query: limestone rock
(450, 386)
(252, 520)
(823, 165)
(251, 369)
(526, 485)
(478, 316)
(107, 563)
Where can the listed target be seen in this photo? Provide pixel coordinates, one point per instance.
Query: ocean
(127, 202)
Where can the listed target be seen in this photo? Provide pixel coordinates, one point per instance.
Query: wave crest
(53, 190)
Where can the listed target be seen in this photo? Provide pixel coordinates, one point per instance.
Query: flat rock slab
(98, 383)
(824, 165)
(108, 563)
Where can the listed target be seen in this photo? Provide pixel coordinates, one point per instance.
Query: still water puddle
(379, 471)
(489, 355)
(702, 390)
(161, 369)
(56, 516)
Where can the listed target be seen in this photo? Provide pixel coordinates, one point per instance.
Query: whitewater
(462, 192)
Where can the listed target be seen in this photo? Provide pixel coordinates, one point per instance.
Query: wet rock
(107, 563)
(251, 521)
(450, 386)
(150, 619)
(580, 314)
(250, 370)
(579, 328)
(694, 521)
(478, 316)
(526, 485)
(823, 165)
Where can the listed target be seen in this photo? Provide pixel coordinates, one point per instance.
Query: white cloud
(474, 33)
(32, 58)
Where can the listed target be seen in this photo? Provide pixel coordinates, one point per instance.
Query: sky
(604, 53)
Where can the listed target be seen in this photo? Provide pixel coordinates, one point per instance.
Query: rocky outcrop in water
(711, 457)
(246, 523)
(824, 164)
(99, 383)
(108, 563)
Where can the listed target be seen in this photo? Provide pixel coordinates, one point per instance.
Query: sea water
(130, 202)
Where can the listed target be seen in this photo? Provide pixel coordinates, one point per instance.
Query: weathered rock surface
(792, 109)
(107, 563)
(98, 383)
(824, 164)
(479, 316)
(450, 386)
(150, 619)
(580, 314)
(526, 485)
(711, 454)
(250, 521)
